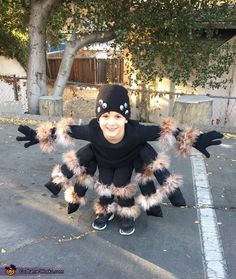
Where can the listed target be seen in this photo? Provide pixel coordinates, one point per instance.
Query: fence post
(48, 67)
(95, 70)
(144, 104)
(15, 86)
(171, 98)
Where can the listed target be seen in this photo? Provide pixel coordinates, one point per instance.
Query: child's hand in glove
(30, 136)
(207, 139)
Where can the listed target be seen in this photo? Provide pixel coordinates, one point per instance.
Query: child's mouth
(111, 129)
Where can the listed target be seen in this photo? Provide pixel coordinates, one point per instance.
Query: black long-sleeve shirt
(119, 154)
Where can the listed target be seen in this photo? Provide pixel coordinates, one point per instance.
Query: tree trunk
(36, 72)
(72, 46)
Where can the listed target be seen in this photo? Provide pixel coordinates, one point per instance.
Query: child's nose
(111, 120)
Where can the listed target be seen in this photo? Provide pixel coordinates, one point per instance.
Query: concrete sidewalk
(36, 231)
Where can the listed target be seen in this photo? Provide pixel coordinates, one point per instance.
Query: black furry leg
(155, 211)
(53, 187)
(176, 198)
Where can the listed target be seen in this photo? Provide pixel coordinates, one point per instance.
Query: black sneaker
(101, 221)
(127, 226)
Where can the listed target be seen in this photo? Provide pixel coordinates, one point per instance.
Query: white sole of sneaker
(99, 229)
(126, 233)
(103, 228)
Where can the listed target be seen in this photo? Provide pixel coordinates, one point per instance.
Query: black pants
(116, 192)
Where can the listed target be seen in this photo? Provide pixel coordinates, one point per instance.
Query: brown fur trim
(173, 182)
(72, 162)
(71, 197)
(168, 125)
(102, 189)
(59, 178)
(85, 180)
(161, 161)
(103, 210)
(143, 178)
(125, 192)
(62, 131)
(46, 142)
(148, 201)
(128, 212)
(185, 140)
(167, 139)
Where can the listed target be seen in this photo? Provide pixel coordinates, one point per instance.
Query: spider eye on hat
(113, 98)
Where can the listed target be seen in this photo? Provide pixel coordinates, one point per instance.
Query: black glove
(30, 136)
(207, 139)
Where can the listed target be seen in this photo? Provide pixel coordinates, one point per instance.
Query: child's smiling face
(112, 125)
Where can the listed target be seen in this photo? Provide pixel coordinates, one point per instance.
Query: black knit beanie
(113, 98)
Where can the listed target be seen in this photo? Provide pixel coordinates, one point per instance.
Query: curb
(27, 119)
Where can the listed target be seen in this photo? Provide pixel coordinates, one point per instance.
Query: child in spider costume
(82, 164)
(116, 143)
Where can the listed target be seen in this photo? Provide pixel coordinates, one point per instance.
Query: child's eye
(118, 116)
(104, 116)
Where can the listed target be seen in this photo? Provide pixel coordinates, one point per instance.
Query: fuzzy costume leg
(74, 164)
(145, 181)
(157, 166)
(150, 203)
(175, 197)
(75, 195)
(60, 179)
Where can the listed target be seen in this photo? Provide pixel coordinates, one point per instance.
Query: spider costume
(116, 162)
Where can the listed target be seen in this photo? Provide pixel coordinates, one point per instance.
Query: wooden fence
(90, 70)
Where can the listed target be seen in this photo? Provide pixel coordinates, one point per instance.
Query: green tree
(183, 35)
(14, 17)
(79, 23)
(87, 23)
(185, 38)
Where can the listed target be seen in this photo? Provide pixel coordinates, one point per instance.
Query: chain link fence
(154, 105)
(13, 90)
(224, 111)
(147, 105)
